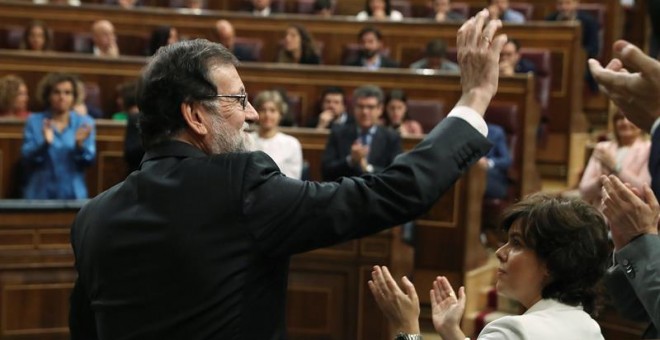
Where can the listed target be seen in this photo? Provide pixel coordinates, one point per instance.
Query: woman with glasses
(58, 143)
(556, 254)
(285, 150)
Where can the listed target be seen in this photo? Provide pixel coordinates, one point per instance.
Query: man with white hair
(104, 39)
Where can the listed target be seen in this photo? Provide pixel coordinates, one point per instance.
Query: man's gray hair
(176, 74)
(369, 91)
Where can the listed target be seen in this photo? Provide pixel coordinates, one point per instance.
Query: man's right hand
(479, 57)
(325, 118)
(358, 152)
(637, 94)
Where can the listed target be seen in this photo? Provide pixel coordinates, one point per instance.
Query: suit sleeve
(287, 216)
(500, 153)
(334, 163)
(654, 162)
(82, 323)
(640, 262)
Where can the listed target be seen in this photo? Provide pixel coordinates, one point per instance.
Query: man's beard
(226, 139)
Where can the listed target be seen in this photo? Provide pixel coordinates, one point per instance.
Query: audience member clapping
(58, 143)
(556, 254)
(626, 157)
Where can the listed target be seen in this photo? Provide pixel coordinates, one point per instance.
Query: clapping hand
(446, 309)
(605, 158)
(630, 214)
(401, 308)
(82, 133)
(49, 134)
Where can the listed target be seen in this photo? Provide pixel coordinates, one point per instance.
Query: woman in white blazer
(556, 253)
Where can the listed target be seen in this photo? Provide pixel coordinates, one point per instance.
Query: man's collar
(172, 148)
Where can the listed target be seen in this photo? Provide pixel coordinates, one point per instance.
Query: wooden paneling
(306, 81)
(562, 39)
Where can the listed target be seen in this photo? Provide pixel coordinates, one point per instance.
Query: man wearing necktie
(362, 147)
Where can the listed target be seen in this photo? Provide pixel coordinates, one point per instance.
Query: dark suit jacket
(654, 162)
(242, 53)
(590, 28)
(197, 247)
(497, 184)
(524, 66)
(385, 145)
(634, 283)
(385, 62)
(314, 121)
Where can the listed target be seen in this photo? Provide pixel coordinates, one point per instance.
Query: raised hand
(479, 57)
(629, 215)
(446, 309)
(401, 308)
(635, 93)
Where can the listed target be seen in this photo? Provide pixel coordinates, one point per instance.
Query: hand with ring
(478, 56)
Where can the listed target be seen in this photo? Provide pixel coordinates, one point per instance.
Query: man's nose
(251, 115)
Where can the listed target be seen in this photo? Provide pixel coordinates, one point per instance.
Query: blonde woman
(285, 150)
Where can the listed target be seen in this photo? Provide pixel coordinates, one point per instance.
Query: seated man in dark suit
(224, 33)
(363, 147)
(497, 163)
(511, 62)
(371, 43)
(567, 10)
(333, 112)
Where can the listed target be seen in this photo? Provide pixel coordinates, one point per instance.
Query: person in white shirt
(379, 10)
(285, 150)
(556, 254)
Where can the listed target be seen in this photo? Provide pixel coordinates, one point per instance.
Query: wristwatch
(404, 336)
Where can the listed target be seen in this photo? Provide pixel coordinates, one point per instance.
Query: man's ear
(194, 117)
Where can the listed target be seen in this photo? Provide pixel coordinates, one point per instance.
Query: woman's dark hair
(388, 8)
(570, 237)
(159, 38)
(307, 48)
(48, 39)
(49, 81)
(176, 74)
(395, 94)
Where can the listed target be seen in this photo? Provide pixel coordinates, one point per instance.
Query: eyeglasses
(242, 98)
